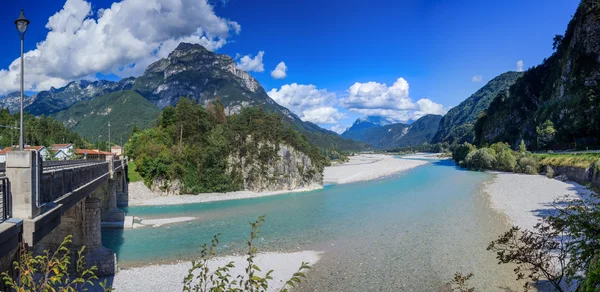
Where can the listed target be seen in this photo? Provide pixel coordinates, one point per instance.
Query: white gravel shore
(367, 167)
(525, 199)
(360, 168)
(170, 277)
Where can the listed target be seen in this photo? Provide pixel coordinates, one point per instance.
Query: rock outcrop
(289, 169)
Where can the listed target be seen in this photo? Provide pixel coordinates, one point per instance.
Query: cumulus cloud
(520, 66)
(280, 71)
(477, 78)
(247, 63)
(338, 128)
(122, 39)
(373, 98)
(308, 102)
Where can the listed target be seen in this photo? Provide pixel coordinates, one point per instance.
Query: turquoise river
(408, 232)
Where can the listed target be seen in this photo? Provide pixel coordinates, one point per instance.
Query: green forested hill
(555, 104)
(123, 109)
(457, 126)
(36, 131)
(203, 150)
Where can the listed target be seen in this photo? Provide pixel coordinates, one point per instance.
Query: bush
(484, 158)
(506, 160)
(527, 164)
(460, 152)
(549, 172)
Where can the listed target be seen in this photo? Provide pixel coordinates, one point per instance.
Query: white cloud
(338, 128)
(520, 66)
(307, 101)
(247, 63)
(477, 78)
(280, 71)
(122, 39)
(373, 98)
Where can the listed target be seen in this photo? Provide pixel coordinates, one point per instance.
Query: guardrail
(61, 180)
(5, 203)
(117, 163)
(52, 164)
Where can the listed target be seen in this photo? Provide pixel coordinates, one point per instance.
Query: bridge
(44, 201)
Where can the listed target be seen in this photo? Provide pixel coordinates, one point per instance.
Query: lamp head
(22, 23)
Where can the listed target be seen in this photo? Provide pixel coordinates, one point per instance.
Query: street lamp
(109, 149)
(22, 24)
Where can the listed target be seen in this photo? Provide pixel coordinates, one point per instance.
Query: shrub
(506, 160)
(549, 172)
(527, 164)
(50, 271)
(483, 158)
(201, 278)
(460, 152)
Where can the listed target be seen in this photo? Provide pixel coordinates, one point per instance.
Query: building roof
(27, 147)
(59, 146)
(79, 151)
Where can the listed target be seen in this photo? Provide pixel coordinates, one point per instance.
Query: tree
(522, 147)
(49, 272)
(545, 134)
(556, 41)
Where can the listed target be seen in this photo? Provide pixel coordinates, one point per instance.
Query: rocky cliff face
(457, 126)
(195, 72)
(564, 89)
(290, 169)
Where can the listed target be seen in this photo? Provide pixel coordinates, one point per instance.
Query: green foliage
(484, 158)
(522, 147)
(581, 160)
(123, 109)
(37, 131)
(457, 126)
(193, 145)
(549, 172)
(505, 158)
(562, 248)
(201, 278)
(49, 272)
(563, 89)
(459, 283)
(460, 152)
(132, 173)
(527, 164)
(545, 134)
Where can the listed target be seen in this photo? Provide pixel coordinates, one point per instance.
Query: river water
(408, 232)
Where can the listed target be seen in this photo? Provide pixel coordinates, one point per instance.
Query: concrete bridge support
(110, 211)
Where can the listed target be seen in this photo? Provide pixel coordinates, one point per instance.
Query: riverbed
(407, 232)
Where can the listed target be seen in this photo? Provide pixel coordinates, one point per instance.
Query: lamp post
(109, 148)
(22, 24)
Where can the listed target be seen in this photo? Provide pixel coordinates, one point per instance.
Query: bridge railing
(59, 181)
(117, 163)
(5, 203)
(52, 164)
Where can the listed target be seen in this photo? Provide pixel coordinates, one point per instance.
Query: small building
(39, 149)
(91, 154)
(117, 150)
(62, 151)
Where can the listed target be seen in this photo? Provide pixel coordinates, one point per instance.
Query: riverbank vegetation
(498, 156)
(193, 145)
(38, 131)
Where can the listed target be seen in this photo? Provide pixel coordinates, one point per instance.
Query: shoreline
(525, 199)
(363, 167)
(169, 277)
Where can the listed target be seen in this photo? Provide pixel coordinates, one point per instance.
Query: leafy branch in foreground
(201, 278)
(50, 271)
(459, 283)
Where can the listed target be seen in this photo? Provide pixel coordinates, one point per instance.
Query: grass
(583, 160)
(132, 173)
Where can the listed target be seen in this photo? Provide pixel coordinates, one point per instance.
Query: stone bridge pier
(71, 200)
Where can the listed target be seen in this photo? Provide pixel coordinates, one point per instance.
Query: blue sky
(343, 59)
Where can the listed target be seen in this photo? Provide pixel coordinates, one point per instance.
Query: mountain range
(189, 71)
(382, 133)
